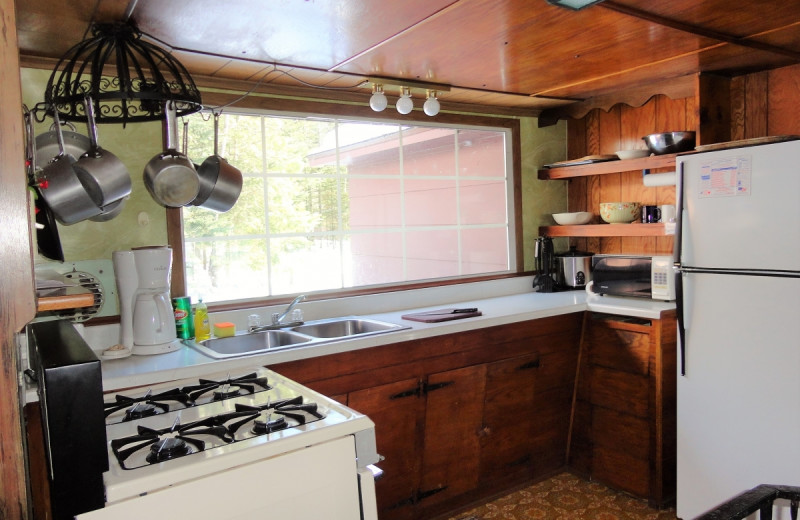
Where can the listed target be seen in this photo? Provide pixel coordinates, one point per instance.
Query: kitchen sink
(244, 344)
(307, 334)
(345, 327)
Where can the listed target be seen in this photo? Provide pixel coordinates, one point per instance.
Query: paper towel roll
(660, 179)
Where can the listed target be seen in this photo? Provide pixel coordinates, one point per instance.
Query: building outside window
(331, 204)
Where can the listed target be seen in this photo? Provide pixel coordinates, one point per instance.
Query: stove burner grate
(230, 387)
(292, 408)
(146, 405)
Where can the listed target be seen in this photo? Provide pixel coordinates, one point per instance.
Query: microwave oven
(637, 276)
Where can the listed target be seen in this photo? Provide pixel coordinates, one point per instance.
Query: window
(332, 203)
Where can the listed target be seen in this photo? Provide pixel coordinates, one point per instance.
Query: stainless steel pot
(104, 176)
(220, 183)
(574, 268)
(62, 189)
(75, 144)
(170, 177)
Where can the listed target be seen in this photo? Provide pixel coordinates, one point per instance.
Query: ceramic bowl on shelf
(619, 212)
(632, 154)
(572, 219)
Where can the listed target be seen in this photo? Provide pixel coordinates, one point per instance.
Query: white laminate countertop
(498, 310)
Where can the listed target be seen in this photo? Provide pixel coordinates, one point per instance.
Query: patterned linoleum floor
(566, 497)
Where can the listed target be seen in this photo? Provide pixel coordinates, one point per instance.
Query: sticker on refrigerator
(728, 177)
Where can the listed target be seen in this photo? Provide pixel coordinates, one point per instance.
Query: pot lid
(573, 253)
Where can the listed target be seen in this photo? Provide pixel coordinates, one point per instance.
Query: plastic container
(202, 329)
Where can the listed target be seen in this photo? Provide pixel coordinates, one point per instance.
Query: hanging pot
(220, 183)
(105, 177)
(170, 177)
(62, 189)
(48, 242)
(75, 144)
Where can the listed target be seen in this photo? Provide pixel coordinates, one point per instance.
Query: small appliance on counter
(636, 276)
(574, 268)
(147, 320)
(544, 280)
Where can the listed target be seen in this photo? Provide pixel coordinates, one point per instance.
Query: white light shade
(431, 106)
(405, 104)
(378, 101)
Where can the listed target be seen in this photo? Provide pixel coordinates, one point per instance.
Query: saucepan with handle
(170, 176)
(61, 187)
(105, 177)
(220, 182)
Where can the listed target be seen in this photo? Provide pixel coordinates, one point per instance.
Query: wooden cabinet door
(508, 419)
(453, 424)
(396, 409)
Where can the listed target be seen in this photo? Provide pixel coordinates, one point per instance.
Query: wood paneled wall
(622, 128)
(761, 104)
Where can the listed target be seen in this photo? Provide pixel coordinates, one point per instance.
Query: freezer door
(741, 208)
(739, 403)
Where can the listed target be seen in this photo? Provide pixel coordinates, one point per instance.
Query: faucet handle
(276, 318)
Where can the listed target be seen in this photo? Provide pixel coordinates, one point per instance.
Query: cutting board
(440, 315)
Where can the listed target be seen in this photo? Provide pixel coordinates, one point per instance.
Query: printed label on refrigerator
(728, 177)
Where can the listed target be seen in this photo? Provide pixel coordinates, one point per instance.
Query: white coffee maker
(147, 320)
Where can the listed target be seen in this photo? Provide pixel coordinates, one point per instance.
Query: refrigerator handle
(681, 323)
(678, 245)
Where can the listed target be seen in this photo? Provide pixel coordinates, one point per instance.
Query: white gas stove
(175, 449)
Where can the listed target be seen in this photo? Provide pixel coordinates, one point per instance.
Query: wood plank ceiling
(517, 56)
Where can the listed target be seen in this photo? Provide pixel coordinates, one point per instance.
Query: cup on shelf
(667, 212)
(651, 214)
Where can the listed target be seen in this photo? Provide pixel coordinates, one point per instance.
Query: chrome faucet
(278, 317)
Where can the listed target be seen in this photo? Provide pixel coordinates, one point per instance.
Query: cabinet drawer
(621, 391)
(619, 349)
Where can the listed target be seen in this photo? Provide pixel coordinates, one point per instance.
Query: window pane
(227, 269)
(304, 264)
(329, 204)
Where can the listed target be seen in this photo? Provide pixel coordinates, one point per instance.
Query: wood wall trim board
(17, 294)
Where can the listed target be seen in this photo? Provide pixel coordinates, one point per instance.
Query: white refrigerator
(738, 254)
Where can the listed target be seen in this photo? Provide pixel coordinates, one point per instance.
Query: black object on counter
(71, 399)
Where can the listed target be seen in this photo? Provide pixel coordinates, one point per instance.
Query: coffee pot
(147, 320)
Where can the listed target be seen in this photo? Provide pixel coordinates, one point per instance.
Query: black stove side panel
(71, 396)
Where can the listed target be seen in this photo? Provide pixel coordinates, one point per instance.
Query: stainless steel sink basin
(244, 344)
(307, 334)
(345, 327)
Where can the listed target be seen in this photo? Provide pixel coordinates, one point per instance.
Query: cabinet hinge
(430, 387)
(408, 393)
(422, 495)
(528, 365)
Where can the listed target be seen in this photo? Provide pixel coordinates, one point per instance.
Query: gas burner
(293, 409)
(146, 405)
(228, 391)
(230, 387)
(269, 426)
(166, 449)
(176, 441)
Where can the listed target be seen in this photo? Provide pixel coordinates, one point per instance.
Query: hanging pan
(47, 240)
(105, 177)
(61, 187)
(220, 183)
(75, 144)
(170, 177)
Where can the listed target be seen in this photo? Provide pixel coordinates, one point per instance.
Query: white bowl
(632, 154)
(572, 219)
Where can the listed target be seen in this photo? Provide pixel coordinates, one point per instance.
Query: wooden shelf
(69, 298)
(602, 168)
(610, 230)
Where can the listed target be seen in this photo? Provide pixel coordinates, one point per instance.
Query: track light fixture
(431, 106)
(378, 100)
(405, 104)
